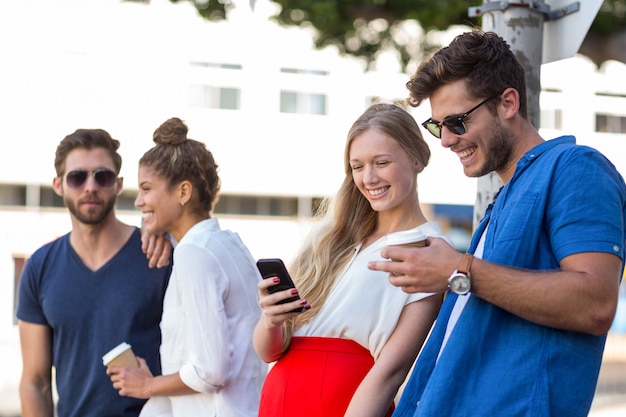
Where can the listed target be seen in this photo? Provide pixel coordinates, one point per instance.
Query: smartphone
(274, 267)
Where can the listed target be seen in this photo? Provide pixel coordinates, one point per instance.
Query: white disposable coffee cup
(121, 355)
(412, 238)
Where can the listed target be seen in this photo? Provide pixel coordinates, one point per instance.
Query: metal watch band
(466, 263)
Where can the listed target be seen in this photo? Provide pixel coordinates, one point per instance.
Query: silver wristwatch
(460, 280)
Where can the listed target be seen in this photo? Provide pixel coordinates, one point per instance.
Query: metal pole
(521, 25)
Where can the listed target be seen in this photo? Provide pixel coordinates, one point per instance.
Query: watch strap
(466, 263)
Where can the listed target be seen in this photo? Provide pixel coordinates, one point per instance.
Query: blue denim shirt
(562, 199)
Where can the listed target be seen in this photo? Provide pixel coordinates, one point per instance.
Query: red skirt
(317, 377)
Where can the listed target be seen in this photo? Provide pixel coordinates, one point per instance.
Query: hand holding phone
(274, 267)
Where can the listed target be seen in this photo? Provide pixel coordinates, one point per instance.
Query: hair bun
(172, 132)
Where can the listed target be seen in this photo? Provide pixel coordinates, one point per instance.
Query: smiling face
(383, 172)
(89, 203)
(160, 204)
(487, 145)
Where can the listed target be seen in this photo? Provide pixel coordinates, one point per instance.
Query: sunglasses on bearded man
(104, 177)
(455, 124)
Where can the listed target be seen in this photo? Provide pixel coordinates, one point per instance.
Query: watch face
(459, 283)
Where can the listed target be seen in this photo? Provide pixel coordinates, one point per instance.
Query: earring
(182, 204)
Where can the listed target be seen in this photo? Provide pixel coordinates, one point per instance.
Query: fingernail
(276, 280)
(294, 291)
(302, 302)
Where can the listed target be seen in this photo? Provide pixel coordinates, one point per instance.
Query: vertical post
(521, 25)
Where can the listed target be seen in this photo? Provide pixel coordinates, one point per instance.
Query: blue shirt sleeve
(585, 211)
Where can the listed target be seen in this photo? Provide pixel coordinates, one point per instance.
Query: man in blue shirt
(89, 290)
(522, 330)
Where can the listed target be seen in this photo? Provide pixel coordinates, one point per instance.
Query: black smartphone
(274, 267)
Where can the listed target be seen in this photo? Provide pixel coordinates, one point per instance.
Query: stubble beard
(499, 152)
(93, 216)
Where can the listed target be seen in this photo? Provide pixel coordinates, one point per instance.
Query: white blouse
(209, 314)
(363, 306)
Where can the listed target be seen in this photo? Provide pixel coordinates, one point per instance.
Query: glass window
(48, 198)
(303, 103)
(602, 123)
(550, 119)
(12, 195)
(288, 102)
(215, 65)
(608, 123)
(257, 206)
(229, 98)
(207, 96)
(303, 71)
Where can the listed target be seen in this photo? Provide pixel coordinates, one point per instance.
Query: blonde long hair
(349, 218)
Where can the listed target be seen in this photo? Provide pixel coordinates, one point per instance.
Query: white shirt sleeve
(203, 285)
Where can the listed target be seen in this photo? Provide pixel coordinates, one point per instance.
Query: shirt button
(616, 248)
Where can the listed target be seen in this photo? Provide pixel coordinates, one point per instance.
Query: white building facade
(274, 112)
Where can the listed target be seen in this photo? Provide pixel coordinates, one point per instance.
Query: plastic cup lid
(115, 352)
(405, 236)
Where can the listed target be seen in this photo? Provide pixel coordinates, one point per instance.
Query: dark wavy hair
(87, 139)
(177, 158)
(483, 59)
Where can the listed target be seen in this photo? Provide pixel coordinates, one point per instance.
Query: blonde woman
(351, 348)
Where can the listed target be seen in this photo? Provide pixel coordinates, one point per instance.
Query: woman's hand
(275, 314)
(268, 333)
(132, 382)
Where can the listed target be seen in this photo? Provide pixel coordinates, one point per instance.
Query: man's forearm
(36, 401)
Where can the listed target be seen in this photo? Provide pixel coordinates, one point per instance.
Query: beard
(499, 152)
(91, 216)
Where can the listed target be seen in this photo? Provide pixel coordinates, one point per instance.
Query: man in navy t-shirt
(87, 291)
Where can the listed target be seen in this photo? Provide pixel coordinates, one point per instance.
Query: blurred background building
(273, 110)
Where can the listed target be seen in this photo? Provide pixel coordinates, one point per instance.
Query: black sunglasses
(453, 123)
(104, 177)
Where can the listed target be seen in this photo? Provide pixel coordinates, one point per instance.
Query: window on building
(48, 198)
(293, 100)
(12, 195)
(212, 97)
(222, 95)
(610, 94)
(215, 65)
(550, 119)
(235, 205)
(126, 200)
(303, 103)
(257, 206)
(303, 71)
(608, 123)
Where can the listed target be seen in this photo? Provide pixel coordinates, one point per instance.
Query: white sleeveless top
(363, 306)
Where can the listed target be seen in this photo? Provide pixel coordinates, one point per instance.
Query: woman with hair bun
(210, 309)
